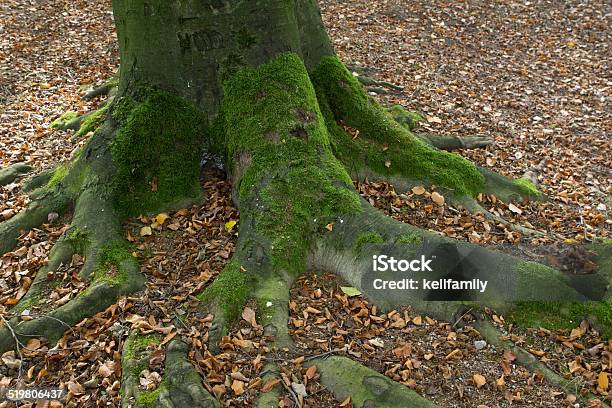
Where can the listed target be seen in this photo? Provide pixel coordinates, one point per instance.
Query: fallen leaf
(229, 226)
(437, 198)
(418, 190)
(479, 380)
(146, 231)
(161, 218)
(248, 314)
(350, 291)
(515, 209)
(602, 381)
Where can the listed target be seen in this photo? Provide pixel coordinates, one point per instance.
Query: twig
(17, 343)
(462, 316)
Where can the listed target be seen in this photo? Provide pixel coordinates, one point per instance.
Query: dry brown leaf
(479, 380)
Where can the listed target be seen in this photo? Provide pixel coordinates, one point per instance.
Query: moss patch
(63, 120)
(58, 175)
(409, 239)
(272, 130)
(111, 259)
(148, 399)
(79, 240)
(527, 188)
(383, 145)
(157, 151)
(406, 118)
(556, 315)
(92, 121)
(367, 238)
(230, 291)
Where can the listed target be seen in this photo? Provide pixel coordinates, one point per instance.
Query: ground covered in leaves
(533, 76)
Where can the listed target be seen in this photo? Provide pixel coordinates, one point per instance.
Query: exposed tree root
(453, 142)
(181, 385)
(348, 252)
(371, 82)
(13, 172)
(37, 180)
(82, 124)
(270, 399)
(529, 361)
(108, 87)
(273, 309)
(367, 388)
(35, 214)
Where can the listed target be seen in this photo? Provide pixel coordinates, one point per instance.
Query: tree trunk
(257, 82)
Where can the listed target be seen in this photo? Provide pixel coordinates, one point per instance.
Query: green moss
(367, 238)
(157, 151)
(112, 257)
(149, 399)
(383, 145)
(79, 240)
(555, 315)
(58, 175)
(135, 351)
(409, 239)
(26, 303)
(92, 121)
(527, 188)
(63, 120)
(272, 129)
(532, 277)
(229, 292)
(406, 118)
(603, 249)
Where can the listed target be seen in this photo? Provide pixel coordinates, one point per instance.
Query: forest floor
(533, 76)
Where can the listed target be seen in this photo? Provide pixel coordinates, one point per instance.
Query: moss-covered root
(137, 350)
(366, 388)
(13, 172)
(529, 361)
(272, 294)
(107, 88)
(511, 190)
(271, 398)
(348, 251)
(35, 214)
(226, 298)
(82, 124)
(110, 268)
(383, 146)
(183, 385)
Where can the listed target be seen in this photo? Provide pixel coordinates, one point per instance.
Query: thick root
(382, 146)
(35, 214)
(452, 142)
(109, 267)
(272, 296)
(366, 388)
(12, 173)
(270, 399)
(348, 252)
(180, 386)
